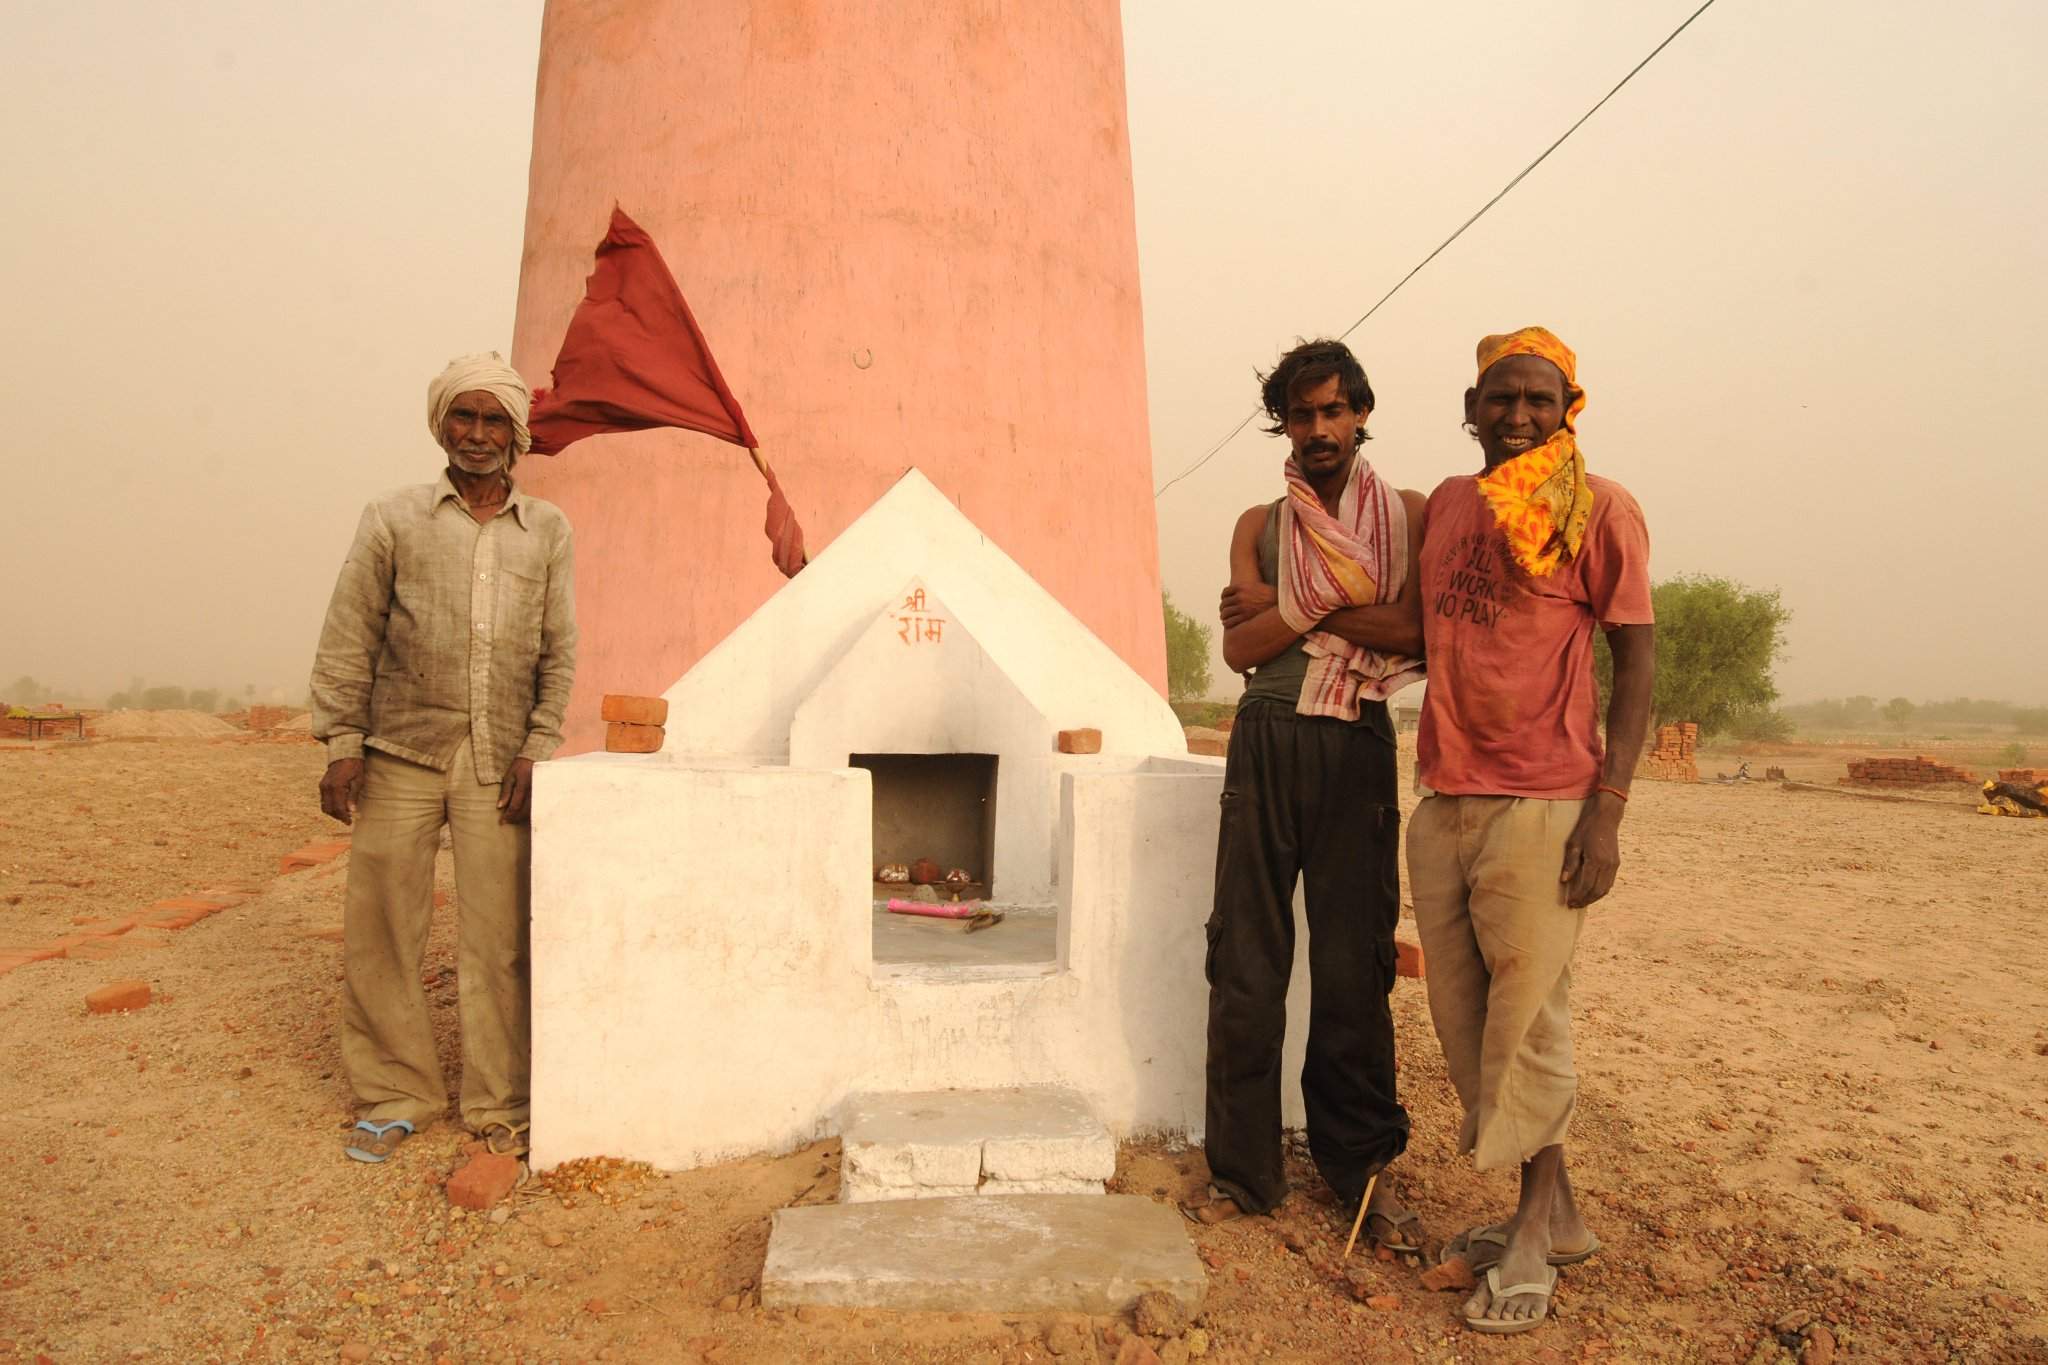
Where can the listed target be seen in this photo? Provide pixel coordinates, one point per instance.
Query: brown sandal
(513, 1143)
(1220, 1208)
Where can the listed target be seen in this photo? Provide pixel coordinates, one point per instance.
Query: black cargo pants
(1315, 798)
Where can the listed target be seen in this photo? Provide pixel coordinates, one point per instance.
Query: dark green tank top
(1279, 679)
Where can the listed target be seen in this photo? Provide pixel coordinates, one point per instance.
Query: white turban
(486, 372)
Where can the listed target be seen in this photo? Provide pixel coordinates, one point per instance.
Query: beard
(480, 461)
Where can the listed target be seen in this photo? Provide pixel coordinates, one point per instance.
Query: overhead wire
(1481, 213)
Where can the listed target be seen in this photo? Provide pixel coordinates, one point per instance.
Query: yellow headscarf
(1540, 498)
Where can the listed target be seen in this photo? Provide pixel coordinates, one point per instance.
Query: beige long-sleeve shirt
(441, 628)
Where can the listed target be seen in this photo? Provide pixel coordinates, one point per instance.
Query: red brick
(1086, 741)
(635, 710)
(621, 737)
(484, 1181)
(1136, 1351)
(1451, 1274)
(98, 950)
(312, 855)
(1407, 959)
(118, 995)
(190, 905)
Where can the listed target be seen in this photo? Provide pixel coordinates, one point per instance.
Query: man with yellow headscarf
(441, 678)
(1516, 832)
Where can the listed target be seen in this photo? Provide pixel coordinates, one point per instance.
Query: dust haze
(1799, 259)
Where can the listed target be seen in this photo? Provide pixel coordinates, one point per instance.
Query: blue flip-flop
(384, 1139)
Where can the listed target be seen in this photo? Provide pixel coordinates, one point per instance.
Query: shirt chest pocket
(522, 602)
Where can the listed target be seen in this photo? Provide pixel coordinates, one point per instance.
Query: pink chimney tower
(907, 232)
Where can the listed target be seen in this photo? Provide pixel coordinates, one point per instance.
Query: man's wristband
(1612, 791)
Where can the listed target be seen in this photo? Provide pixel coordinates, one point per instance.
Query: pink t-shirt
(1512, 709)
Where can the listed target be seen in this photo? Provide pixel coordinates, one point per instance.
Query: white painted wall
(704, 983)
(703, 975)
(896, 691)
(741, 698)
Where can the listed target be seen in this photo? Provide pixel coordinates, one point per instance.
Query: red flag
(633, 359)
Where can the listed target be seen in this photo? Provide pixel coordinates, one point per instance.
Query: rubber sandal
(1494, 1327)
(1394, 1240)
(1220, 1208)
(1495, 1240)
(382, 1142)
(513, 1143)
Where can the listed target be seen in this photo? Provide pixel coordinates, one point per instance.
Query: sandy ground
(1812, 1031)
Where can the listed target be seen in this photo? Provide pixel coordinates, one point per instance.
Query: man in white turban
(441, 678)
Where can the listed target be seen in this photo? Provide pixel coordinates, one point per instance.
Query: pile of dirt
(161, 725)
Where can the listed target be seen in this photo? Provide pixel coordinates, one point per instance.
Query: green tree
(162, 699)
(1187, 654)
(1717, 641)
(1897, 712)
(25, 691)
(205, 699)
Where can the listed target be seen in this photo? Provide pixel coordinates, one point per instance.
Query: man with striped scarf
(1323, 618)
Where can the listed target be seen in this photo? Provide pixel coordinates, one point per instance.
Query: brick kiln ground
(1810, 1029)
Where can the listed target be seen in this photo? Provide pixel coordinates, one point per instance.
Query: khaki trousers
(1498, 938)
(387, 1039)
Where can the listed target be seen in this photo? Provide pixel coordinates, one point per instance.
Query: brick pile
(14, 721)
(1919, 771)
(2025, 777)
(634, 725)
(269, 717)
(1674, 759)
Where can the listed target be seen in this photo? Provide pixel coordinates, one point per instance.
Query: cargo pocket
(1230, 810)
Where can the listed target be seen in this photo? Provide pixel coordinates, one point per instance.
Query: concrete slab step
(1021, 1253)
(936, 1144)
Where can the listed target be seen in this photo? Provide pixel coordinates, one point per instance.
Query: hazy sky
(1801, 257)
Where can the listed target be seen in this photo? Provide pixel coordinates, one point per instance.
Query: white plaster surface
(704, 985)
(891, 694)
(1028, 1140)
(1047, 1252)
(741, 698)
(704, 975)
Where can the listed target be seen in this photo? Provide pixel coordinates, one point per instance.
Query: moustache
(1321, 448)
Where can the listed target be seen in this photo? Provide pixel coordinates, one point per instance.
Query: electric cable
(1519, 177)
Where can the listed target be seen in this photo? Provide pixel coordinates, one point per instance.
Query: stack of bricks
(2025, 777)
(1673, 760)
(1918, 771)
(269, 717)
(14, 722)
(633, 725)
